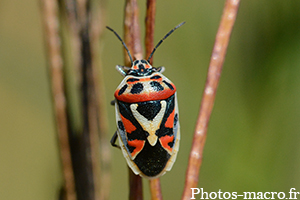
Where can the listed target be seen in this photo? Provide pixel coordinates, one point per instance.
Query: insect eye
(132, 80)
(155, 77)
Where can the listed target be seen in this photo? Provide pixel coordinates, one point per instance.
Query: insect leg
(113, 102)
(113, 140)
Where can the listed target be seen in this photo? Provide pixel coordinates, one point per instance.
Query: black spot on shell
(132, 80)
(155, 77)
(137, 88)
(169, 85)
(156, 86)
(122, 90)
(171, 144)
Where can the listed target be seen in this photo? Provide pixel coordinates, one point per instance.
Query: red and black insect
(146, 116)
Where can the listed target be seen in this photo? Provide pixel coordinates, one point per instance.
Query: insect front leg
(113, 140)
(113, 102)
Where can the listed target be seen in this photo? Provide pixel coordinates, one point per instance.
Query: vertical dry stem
(150, 25)
(132, 31)
(155, 189)
(214, 72)
(133, 41)
(51, 26)
(97, 27)
(135, 186)
(80, 153)
(88, 142)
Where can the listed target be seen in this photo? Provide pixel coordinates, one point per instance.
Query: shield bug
(147, 116)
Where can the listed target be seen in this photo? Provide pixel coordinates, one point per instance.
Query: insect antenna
(123, 43)
(167, 35)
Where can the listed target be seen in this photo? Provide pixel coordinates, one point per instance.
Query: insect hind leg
(113, 140)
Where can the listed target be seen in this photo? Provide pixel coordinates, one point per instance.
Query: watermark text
(199, 193)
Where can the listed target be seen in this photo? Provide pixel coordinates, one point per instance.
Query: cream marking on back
(151, 126)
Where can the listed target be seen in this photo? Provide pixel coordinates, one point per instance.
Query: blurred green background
(253, 138)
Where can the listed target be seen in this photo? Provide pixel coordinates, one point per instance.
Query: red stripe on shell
(129, 127)
(138, 144)
(152, 96)
(170, 121)
(165, 140)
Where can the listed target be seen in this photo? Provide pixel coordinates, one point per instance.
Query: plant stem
(135, 186)
(52, 37)
(150, 25)
(214, 72)
(132, 31)
(133, 41)
(155, 189)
